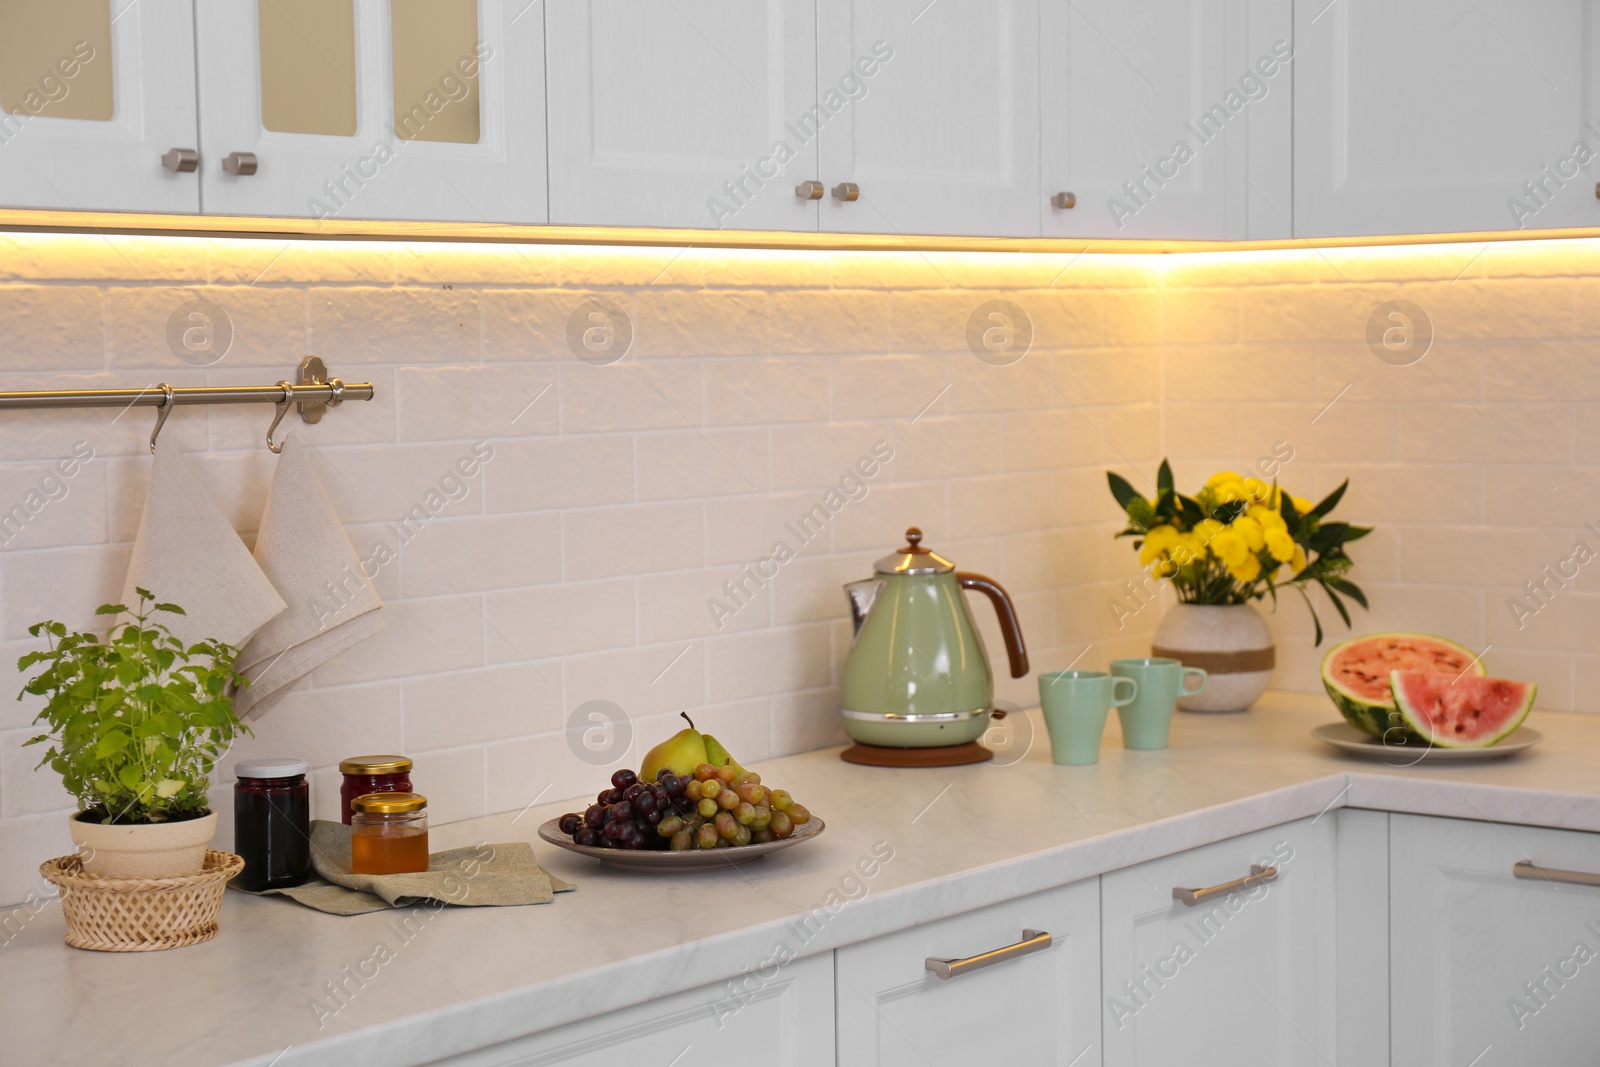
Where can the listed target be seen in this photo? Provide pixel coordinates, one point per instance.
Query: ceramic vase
(1230, 642)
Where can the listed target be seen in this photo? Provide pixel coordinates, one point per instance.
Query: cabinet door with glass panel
(94, 94)
(394, 109)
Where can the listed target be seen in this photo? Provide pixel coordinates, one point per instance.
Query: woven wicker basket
(141, 914)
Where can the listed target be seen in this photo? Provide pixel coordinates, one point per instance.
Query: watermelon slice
(1356, 674)
(1460, 710)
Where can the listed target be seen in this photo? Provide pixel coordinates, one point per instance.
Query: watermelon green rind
(1370, 714)
(1418, 725)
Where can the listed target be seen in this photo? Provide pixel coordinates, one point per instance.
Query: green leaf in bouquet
(1164, 477)
(1330, 501)
(1351, 590)
(1122, 490)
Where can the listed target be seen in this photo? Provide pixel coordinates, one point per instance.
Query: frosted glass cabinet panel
(93, 93)
(390, 109)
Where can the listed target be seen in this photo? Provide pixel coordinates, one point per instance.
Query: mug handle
(1133, 692)
(1189, 672)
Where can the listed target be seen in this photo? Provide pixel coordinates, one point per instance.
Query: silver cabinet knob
(182, 160)
(809, 190)
(240, 163)
(1064, 200)
(847, 191)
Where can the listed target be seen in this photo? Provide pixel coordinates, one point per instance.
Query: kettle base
(939, 756)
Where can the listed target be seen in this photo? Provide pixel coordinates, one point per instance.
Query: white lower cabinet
(1489, 968)
(782, 1021)
(1243, 977)
(1033, 1006)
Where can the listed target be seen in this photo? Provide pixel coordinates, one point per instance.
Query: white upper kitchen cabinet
(1425, 116)
(692, 113)
(1167, 120)
(929, 116)
(93, 95)
(1484, 959)
(391, 109)
(1244, 976)
(1023, 987)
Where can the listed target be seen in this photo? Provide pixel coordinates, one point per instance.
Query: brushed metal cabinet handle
(1258, 875)
(810, 190)
(181, 160)
(240, 163)
(847, 191)
(1532, 871)
(1064, 200)
(1032, 941)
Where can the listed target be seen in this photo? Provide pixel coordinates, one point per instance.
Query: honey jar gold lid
(388, 803)
(374, 765)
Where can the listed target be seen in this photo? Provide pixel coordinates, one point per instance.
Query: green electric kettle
(917, 675)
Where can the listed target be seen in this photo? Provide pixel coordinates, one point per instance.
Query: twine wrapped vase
(1230, 642)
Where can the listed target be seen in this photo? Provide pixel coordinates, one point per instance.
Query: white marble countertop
(962, 838)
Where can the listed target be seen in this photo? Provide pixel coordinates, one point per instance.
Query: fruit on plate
(1356, 674)
(1460, 710)
(715, 807)
(683, 752)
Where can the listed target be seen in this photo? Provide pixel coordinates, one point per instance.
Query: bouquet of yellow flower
(1239, 539)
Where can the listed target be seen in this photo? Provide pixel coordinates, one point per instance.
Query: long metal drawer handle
(1032, 941)
(1525, 869)
(1258, 875)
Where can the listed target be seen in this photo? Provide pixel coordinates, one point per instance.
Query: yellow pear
(718, 756)
(681, 753)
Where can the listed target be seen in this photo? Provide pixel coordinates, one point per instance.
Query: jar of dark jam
(371, 774)
(272, 823)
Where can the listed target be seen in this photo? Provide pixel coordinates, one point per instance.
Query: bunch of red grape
(626, 815)
(718, 807)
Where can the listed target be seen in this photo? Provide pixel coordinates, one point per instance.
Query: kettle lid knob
(913, 558)
(913, 538)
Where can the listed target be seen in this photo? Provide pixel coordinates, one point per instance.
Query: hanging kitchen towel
(188, 554)
(306, 555)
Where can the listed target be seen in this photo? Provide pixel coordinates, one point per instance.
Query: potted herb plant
(1237, 540)
(136, 724)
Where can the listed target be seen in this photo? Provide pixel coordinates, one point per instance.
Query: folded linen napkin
(188, 554)
(305, 553)
(488, 875)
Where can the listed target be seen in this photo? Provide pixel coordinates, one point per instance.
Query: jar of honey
(371, 774)
(389, 834)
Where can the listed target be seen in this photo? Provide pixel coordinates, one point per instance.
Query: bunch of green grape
(731, 808)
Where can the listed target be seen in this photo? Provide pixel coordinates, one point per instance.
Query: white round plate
(710, 859)
(1346, 738)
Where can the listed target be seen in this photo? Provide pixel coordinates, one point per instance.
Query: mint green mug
(1075, 706)
(1147, 721)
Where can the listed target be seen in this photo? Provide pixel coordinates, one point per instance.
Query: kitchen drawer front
(1036, 1008)
(1483, 959)
(786, 1021)
(1245, 977)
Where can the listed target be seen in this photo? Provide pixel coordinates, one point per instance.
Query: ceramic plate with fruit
(690, 807)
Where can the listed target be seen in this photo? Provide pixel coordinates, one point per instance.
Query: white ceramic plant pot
(153, 850)
(1230, 642)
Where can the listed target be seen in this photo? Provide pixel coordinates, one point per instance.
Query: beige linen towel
(307, 556)
(497, 875)
(188, 554)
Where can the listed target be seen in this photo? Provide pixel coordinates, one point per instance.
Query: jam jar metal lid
(374, 765)
(388, 803)
(276, 767)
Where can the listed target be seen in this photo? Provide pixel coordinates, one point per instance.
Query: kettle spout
(863, 595)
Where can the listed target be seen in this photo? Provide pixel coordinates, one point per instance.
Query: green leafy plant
(137, 721)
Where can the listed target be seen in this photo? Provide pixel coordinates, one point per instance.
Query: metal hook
(161, 415)
(283, 409)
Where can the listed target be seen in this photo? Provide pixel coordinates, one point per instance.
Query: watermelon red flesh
(1461, 710)
(1356, 673)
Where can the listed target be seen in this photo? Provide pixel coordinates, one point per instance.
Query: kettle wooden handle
(1016, 652)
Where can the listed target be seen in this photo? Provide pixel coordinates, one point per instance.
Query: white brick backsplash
(576, 564)
(560, 620)
(559, 473)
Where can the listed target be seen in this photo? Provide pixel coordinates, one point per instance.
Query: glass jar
(372, 774)
(389, 834)
(272, 823)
